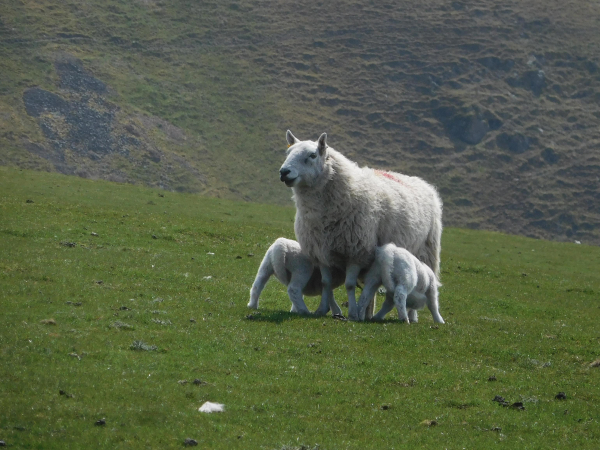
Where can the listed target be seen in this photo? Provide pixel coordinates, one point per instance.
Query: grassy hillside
(495, 104)
(92, 273)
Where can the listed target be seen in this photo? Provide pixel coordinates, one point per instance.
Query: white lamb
(292, 268)
(285, 260)
(343, 212)
(409, 284)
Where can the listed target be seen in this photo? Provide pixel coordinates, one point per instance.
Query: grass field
(112, 295)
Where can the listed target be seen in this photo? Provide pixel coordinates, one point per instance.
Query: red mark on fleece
(388, 175)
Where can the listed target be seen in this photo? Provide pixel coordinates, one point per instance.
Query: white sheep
(408, 282)
(292, 268)
(343, 212)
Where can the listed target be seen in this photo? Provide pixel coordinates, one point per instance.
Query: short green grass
(108, 321)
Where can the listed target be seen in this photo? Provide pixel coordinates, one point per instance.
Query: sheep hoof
(321, 312)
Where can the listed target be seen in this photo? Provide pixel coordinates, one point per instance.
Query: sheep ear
(322, 144)
(291, 139)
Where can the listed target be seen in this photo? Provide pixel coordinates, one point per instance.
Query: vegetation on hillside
(497, 104)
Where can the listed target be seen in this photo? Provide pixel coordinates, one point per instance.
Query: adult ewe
(343, 212)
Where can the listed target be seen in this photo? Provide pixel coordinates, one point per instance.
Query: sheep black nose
(283, 173)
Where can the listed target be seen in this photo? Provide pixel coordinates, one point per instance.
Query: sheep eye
(313, 156)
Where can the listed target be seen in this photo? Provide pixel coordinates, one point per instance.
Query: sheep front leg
(327, 299)
(413, 316)
(352, 272)
(367, 299)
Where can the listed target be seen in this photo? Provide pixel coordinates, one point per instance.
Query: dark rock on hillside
(74, 77)
(85, 132)
(38, 101)
(516, 143)
(77, 125)
(469, 128)
(550, 156)
(495, 63)
(533, 80)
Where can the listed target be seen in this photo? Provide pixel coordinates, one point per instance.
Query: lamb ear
(322, 144)
(291, 139)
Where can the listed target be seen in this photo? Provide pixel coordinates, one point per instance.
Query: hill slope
(496, 104)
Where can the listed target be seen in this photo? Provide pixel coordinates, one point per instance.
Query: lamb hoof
(252, 305)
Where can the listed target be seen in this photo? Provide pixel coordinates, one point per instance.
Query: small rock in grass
(518, 405)
(199, 382)
(193, 320)
(154, 236)
(339, 317)
(183, 382)
(99, 282)
(595, 363)
(429, 423)
(500, 400)
(492, 378)
(142, 346)
(250, 255)
(121, 325)
(498, 429)
(560, 396)
(190, 442)
(238, 257)
(48, 322)
(2, 444)
(94, 234)
(100, 422)
(28, 201)
(385, 407)
(210, 407)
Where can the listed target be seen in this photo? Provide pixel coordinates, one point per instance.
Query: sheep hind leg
(387, 306)
(265, 271)
(371, 307)
(400, 295)
(433, 305)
